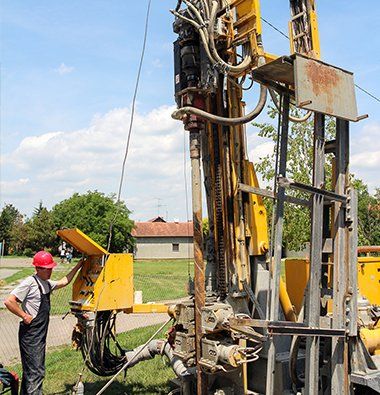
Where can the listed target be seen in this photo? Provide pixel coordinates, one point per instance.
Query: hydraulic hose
(182, 112)
(228, 67)
(291, 118)
(158, 347)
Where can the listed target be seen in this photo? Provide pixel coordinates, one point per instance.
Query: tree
(8, 217)
(368, 214)
(93, 213)
(299, 167)
(40, 230)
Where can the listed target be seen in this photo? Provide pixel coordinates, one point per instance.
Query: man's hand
(67, 279)
(27, 319)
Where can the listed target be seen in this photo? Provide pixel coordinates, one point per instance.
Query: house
(158, 239)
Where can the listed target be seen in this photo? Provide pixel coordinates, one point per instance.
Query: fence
(158, 281)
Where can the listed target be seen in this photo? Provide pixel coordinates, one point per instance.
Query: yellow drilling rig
(247, 328)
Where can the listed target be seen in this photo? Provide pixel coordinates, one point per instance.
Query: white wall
(162, 248)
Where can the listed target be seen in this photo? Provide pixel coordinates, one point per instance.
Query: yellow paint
(286, 304)
(105, 281)
(369, 278)
(257, 215)
(315, 34)
(148, 308)
(81, 242)
(99, 288)
(371, 339)
(297, 276)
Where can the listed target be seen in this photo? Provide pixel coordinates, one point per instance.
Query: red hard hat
(44, 259)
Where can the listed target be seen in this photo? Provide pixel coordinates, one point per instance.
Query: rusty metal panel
(324, 88)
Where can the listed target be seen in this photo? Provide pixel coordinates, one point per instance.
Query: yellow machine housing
(369, 278)
(105, 281)
(297, 276)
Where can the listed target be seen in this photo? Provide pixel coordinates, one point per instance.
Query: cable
(366, 92)
(101, 360)
(129, 362)
(291, 118)
(130, 123)
(283, 34)
(275, 28)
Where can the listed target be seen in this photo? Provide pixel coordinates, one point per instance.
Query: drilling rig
(248, 328)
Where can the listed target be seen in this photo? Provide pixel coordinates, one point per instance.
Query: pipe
(371, 339)
(158, 347)
(368, 249)
(229, 67)
(182, 112)
(286, 304)
(291, 118)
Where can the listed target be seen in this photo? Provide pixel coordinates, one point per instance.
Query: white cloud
(63, 69)
(57, 164)
(52, 166)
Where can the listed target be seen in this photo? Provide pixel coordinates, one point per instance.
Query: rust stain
(323, 80)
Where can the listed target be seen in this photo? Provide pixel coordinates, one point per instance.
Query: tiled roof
(163, 229)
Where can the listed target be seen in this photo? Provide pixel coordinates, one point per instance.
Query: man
(34, 295)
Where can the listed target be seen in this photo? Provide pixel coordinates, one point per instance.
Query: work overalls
(32, 341)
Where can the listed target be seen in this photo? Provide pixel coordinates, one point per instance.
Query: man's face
(43, 273)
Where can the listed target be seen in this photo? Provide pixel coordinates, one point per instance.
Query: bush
(28, 252)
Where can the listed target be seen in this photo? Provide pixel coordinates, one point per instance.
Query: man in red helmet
(30, 300)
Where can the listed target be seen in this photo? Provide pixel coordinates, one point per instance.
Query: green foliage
(299, 168)
(368, 214)
(92, 213)
(9, 216)
(205, 228)
(40, 229)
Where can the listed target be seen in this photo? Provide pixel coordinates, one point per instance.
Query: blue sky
(68, 70)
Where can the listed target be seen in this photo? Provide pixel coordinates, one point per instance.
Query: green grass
(20, 275)
(161, 280)
(149, 377)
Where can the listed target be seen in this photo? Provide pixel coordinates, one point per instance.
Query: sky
(68, 70)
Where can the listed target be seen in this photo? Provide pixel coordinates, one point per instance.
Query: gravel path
(15, 262)
(5, 272)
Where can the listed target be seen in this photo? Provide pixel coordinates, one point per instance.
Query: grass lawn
(158, 280)
(149, 377)
(20, 275)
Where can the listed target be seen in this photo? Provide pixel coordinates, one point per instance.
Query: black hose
(101, 352)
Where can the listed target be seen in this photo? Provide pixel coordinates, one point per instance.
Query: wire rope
(131, 122)
(125, 366)
(283, 34)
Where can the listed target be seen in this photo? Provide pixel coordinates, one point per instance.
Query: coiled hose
(101, 352)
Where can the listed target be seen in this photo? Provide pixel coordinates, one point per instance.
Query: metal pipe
(368, 249)
(371, 339)
(199, 268)
(286, 304)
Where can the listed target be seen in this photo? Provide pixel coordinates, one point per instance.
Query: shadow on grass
(116, 388)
